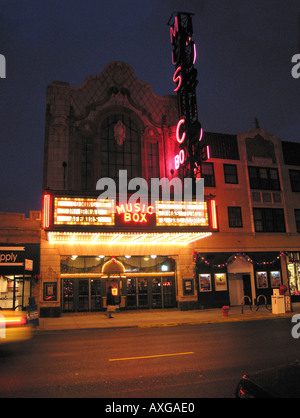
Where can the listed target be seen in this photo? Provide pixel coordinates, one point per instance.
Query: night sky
(244, 53)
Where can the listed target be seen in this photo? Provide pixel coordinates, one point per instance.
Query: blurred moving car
(14, 327)
(277, 382)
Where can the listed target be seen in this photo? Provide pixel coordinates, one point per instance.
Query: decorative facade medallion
(120, 132)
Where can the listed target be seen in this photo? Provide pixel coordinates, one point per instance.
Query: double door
(87, 295)
(137, 293)
(81, 295)
(150, 292)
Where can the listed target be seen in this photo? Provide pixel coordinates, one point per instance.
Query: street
(190, 361)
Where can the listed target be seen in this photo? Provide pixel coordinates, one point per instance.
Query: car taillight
(15, 320)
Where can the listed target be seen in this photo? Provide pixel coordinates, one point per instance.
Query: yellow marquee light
(128, 238)
(123, 275)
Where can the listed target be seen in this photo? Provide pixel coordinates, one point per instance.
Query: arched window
(120, 147)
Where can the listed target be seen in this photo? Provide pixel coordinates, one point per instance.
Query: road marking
(154, 356)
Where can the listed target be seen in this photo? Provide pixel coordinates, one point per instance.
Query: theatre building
(240, 239)
(114, 127)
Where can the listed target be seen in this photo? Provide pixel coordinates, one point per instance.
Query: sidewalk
(157, 318)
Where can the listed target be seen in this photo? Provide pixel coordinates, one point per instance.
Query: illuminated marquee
(94, 216)
(81, 211)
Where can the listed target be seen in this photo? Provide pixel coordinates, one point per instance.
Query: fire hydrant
(225, 310)
(282, 289)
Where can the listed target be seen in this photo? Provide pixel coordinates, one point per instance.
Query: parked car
(14, 328)
(277, 382)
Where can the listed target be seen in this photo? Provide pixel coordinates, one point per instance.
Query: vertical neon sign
(189, 132)
(47, 211)
(213, 214)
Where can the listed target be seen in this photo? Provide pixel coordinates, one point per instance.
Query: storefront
(19, 269)
(236, 279)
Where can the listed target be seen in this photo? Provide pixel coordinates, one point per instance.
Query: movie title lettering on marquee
(182, 214)
(81, 211)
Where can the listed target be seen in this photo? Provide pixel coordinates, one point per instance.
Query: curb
(221, 320)
(216, 321)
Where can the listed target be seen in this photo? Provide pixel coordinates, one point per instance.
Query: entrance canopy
(117, 238)
(71, 219)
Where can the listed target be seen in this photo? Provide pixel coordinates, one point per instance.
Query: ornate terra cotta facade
(77, 113)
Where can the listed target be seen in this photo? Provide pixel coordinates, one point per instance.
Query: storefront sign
(12, 256)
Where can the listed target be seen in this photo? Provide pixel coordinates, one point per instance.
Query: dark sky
(244, 48)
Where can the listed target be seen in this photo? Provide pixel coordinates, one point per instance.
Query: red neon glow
(135, 208)
(213, 214)
(181, 156)
(201, 135)
(208, 152)
(136, 212)
(195, 54)
(179, 138)
(174, 29)
(47, 211)
(177, 78)
(179, 159)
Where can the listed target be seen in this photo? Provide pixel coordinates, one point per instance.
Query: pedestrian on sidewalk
(110, 302)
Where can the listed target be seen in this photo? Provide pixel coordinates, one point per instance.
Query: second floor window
(268, 220)
(235, 217)
(264, 178)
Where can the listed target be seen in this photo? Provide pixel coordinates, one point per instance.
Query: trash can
(278, 302)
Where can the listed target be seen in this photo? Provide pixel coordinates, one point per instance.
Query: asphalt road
(191, 361)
